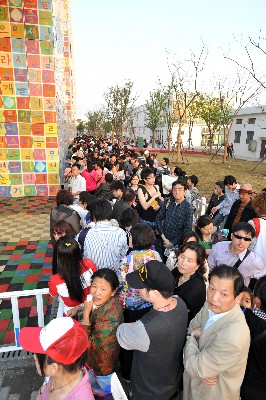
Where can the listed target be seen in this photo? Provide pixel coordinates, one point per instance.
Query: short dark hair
(260, 292)
(129, 217)
(64, 197)
(146, 172)
(189, 235)
(86, 197)
(177, 171)
(166, 160)
(199, 250)
(128, 195)
(225, 272)
(76, 165)
(220, 184)
(165, 295)
(181, 181)
(143, 237)
(44, 359)
(229, 180)
(109, 275)
(194, 179)
(101, 209)
(109, 166)
(203, 221)
(116, 185)
(109, 177)
(244, 226)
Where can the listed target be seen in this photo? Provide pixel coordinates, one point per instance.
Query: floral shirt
(135, 260)
(103, 345)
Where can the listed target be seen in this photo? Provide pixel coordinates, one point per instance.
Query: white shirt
(78, 184)
(214, 318)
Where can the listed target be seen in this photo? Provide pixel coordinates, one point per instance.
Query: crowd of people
(174, 303)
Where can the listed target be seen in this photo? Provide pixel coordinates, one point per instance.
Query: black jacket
(247, 214)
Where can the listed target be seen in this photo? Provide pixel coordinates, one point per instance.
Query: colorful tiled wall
(36, 102)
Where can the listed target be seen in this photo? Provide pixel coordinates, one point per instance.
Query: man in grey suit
(218, 341)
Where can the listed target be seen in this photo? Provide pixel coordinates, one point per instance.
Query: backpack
(81, 238)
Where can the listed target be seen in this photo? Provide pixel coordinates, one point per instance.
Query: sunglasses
(59, 233)
(246, 239)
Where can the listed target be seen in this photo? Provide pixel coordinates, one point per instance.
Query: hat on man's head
(246, 187)
(63, 339)
(146, 152)
(153, 275)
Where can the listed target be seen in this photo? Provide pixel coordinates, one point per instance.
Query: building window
(237, 136)
(239, 121)
(250, 135)
(251, 121)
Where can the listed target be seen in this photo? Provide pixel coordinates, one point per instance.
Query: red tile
(32, 278)
(9, 247)
(15, 256)
(23, 242)
(9, 337)
(39, 255)
(46, 271)
(23, 266)
(31, 246)
(33, 311)
(4, 325)
(25, 302)
(48, 259)
(3, 288)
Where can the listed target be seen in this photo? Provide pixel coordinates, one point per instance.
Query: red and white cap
(63, 339)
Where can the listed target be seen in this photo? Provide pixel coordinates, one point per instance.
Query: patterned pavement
(25, 258)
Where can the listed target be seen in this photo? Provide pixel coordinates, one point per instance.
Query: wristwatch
(190, 335)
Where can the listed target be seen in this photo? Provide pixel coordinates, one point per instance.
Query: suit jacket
(222, 351)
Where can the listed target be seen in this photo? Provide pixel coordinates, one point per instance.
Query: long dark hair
(68, 266)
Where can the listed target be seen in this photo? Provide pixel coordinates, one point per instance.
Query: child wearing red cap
(60, 353)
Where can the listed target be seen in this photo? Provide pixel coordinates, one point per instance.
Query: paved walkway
(25, 263)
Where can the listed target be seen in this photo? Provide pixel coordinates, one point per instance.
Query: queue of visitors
(177, 308)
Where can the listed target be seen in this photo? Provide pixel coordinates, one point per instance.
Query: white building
(197, 131)
(248, 133)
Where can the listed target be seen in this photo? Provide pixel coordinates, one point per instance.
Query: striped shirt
(105, 245)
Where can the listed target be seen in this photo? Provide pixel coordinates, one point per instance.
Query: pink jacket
(91, 179)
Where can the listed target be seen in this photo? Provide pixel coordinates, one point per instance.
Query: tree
(95, 120)
(120, 102)
(81, 127)
(209, 109)
(183, 90)
(155, 108)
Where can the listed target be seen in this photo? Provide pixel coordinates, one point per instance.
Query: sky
(119, 40)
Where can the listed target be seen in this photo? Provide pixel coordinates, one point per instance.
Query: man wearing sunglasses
(235, 254)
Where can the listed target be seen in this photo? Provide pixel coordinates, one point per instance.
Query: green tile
(24, 261)
(18, 279)
(29, 286)
(23, 322)
(18, 251)
(4, 256)
(2, 335)
(34, 271)
(6, 274)
(6, 314)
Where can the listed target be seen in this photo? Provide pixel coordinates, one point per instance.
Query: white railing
(13, 296)
(201, 207)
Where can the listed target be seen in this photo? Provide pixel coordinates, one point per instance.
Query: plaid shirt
(175, 220)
